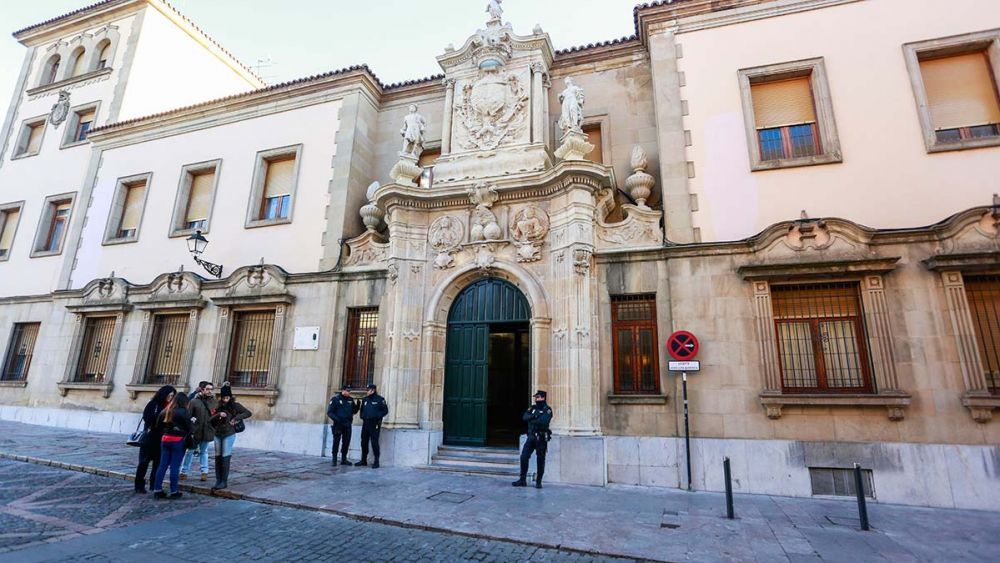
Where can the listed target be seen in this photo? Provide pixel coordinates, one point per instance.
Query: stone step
(473, 470)
(455, 460)
(511, 456)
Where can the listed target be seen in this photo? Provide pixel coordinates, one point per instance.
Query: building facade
(820, 213)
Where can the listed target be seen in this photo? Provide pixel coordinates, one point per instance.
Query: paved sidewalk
(654, 524)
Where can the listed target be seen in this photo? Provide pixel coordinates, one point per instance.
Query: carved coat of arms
(491, 109)
(60, 110)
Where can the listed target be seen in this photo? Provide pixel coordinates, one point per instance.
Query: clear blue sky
(398, 39)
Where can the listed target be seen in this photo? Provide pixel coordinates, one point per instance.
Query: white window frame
(45, 224)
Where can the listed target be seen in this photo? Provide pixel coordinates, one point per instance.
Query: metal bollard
(859, 487)
(729, 489)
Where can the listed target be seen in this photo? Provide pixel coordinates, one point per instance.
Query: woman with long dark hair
(149, 452)
(175, 424)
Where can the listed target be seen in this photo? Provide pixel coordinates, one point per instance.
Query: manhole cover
(454, 498)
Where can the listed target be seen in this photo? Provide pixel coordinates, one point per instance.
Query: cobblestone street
(49, 514)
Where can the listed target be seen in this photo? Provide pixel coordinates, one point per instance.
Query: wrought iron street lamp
(196, 246)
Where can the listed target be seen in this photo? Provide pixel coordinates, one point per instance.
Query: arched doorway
(487, 365)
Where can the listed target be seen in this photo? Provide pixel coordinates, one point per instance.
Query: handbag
(138, 438)
(238, 426)
(189, 442)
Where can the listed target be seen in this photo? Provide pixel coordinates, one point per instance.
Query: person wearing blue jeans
(175, 424)
(202, 409)
(226, 421)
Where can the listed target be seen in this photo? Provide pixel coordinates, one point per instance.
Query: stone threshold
(233, 495)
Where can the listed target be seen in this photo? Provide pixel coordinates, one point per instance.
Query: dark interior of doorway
(509, 383)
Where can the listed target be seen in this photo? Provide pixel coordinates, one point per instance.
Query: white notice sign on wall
(684, 366)
(306, 338)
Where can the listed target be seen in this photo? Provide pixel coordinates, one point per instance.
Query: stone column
(537, 103)
(879, 334)
(432, 383)
(449, 106)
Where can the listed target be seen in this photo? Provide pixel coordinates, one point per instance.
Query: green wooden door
(467, 363)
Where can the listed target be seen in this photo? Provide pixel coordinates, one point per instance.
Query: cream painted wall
(887, 179)
(295, 247)
(172, 69)
(52, 171)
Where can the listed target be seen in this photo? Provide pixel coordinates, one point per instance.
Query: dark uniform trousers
(341, 439)
(537, 443)
(370, 430)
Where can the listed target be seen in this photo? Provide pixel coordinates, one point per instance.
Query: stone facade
(520, 195)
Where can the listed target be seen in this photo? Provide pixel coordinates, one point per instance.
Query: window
(195, 198)
(29, 142)
(125, 217)
(58, 219)
(359, 365)
(166, 350)
(250, 353)
(19, 353)
(955, 87)
(273, 193)
(50, 70)
(634, 344)
(9, 217)
(78, 62)
(80, 122)
(426, 163)
(594, 137)
(821, 338)
(95, 349)
(103, 54)
(983, 293)
(789, 116)
(840, 482)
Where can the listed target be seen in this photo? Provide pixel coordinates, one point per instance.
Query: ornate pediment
(174, 289)
(813, 239)
(369, 249)
(104, 294)
(263, 283)
(973, 231)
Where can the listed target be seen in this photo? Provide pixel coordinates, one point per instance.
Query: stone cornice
(72, 81)
(966, 262)
(628, 49)
(790, 270)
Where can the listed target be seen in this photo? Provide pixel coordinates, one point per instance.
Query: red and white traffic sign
(682, 346)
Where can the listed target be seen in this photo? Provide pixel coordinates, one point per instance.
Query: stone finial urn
(640, 184)
(371, 215)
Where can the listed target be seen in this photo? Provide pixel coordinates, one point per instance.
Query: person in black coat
(341, 411)
(373, 410)
(175, 424)
(538, 417)
(149, 451)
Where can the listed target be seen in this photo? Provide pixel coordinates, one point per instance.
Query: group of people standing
(177, 425)
(341, 411)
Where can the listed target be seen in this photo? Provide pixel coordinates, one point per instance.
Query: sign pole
(687, 433)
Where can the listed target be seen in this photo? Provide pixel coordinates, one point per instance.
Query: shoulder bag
(138, 438)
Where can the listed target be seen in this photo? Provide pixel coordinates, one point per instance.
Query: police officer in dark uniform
(373, 410)
(341, 411)
(538, 418)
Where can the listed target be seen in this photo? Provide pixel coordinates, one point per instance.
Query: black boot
(224, 482)
(218, 473)
(334, 456)
(343, 460)
(362, 463)
(375, 465)
(520, 482)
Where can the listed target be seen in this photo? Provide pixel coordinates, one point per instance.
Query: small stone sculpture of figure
(494, 10)
(572, 100)
(413, 129)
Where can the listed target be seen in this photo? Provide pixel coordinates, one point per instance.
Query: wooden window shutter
(87, 116)
(35, 137)
(62, 206)
(783, 103)
(9, 224)
(278, 181)
(960, 91)
(200, 198)
(594, 137)
(132, 211)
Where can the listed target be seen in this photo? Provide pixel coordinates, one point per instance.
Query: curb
(232, 495)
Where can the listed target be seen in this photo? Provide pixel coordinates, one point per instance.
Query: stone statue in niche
(572, 100)
(494, 10)
(444, 236)
(528, 227)
(413, 129)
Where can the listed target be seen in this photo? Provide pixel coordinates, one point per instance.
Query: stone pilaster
(977, 397)
(537, 103)
(879, 334)
(449, 106)
(767, 344)
(432, 388)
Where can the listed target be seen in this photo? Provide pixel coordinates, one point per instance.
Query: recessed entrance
(487, 369)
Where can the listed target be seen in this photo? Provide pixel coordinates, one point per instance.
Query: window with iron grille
(359, 365)
(983, 293)
(821, 338)
(95, 349)
(166, 349)
(22, 347)
(832, 481)
(633, 328)
(250, 355)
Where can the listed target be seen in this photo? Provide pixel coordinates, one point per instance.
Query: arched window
(103, 54)
(50, 70)
(78, 62)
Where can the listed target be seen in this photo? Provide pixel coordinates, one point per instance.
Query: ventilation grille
(827, 481)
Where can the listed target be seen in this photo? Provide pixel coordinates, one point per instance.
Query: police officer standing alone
(538, 417)
(341, 411)
(373, 410)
